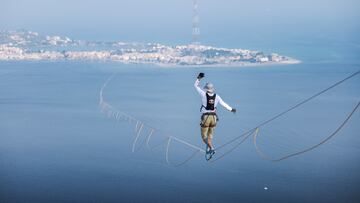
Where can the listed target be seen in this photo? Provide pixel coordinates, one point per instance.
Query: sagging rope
(139, 127)
(248, 133)
(183, 162)
(263, 155)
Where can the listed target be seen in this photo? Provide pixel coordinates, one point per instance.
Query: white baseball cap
(209, 87)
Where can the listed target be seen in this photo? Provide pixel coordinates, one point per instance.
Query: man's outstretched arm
(226, 106)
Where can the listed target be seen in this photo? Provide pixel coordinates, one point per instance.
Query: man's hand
(200, 76)
(233, 110)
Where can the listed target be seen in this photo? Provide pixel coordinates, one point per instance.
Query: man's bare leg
(210, 136)
(208, 142)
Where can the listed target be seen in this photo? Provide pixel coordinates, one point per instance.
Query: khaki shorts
(208, 124)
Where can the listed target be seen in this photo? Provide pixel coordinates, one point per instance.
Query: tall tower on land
(195, 26)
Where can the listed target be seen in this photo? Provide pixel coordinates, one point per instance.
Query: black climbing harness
(203, 121)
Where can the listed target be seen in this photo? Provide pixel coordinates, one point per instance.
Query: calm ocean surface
(56, 145)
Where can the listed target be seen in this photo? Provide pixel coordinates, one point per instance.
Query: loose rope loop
(263, 155)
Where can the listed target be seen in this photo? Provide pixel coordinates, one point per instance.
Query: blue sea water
(56, 145)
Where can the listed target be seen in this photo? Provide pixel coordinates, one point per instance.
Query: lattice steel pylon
(195, 25)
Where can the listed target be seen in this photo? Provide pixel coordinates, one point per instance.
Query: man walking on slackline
(208, 109)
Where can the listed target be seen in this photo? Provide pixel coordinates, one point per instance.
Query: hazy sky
(170, 20)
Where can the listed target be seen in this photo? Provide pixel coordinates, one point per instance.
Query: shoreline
(162, 65)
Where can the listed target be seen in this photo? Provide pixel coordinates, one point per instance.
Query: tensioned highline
(141, 127)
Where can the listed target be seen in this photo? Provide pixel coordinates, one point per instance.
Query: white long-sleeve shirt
(202, 94)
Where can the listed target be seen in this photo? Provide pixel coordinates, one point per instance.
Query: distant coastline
(25, 45)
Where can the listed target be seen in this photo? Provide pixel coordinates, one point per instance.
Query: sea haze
(56, 145)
